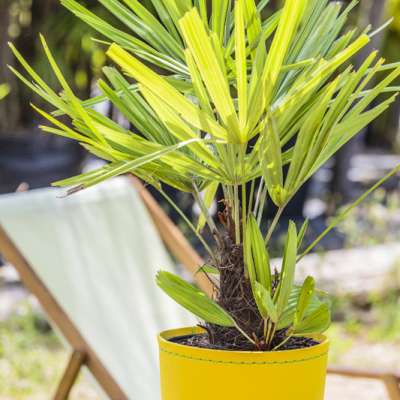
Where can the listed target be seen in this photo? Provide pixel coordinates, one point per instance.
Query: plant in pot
(240, 100)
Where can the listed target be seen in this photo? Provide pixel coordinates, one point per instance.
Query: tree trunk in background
(9, 108)
(371, 12)
(16, 115)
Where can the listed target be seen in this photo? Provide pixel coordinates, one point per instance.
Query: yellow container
(190, 373)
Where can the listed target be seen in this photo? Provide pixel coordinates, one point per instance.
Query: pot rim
(233, 356)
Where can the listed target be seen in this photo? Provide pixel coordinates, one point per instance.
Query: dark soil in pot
(203, 341)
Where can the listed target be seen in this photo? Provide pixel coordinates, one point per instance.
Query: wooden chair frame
(83, 354)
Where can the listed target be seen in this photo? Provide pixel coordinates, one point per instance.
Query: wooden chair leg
(392, 386)
(71, 373)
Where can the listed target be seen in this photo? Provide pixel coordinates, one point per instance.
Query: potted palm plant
(239, 99)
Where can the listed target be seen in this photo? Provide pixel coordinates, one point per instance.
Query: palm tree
(234, 91)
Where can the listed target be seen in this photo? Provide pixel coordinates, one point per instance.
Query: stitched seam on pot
(246, 362)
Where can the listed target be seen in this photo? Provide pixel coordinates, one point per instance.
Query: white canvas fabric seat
(98, 252)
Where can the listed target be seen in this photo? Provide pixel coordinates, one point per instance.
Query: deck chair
(92, 261)
(83, 354)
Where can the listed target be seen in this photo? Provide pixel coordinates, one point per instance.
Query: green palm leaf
(317, 322)
(194, 300)
(286, 277)
(256, 256)
(265, 303)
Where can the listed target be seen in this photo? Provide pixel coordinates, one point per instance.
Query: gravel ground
(339, 388)
(374, 356)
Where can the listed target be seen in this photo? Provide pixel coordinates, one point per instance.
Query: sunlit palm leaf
(161, 88)
(241, 62)
(306, 294)
(282, 294)
(271, 162)
(209, 197)
(206, 59)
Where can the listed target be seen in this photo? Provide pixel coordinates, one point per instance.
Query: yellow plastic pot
(189, 373)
